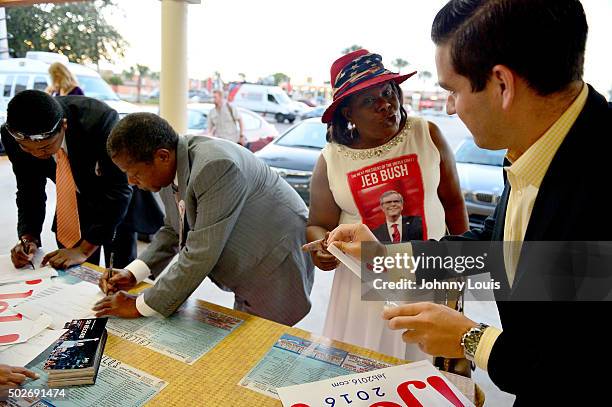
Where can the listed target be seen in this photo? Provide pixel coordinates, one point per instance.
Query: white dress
(408, 164)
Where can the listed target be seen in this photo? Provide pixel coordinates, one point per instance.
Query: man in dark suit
(397, 228)
(514, 72)
(45, 137)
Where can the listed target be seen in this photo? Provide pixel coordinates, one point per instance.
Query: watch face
(472, 339)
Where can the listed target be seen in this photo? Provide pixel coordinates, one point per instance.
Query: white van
(265, 99)
(31, 72)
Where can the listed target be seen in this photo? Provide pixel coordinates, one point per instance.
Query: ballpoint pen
(24, 243)
(110, 269)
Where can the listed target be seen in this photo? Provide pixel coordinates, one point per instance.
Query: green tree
(280, 77)
(78, 30)
(114, 81)
(352, 48)
(400, 63)
(424, 75)
(143, 71)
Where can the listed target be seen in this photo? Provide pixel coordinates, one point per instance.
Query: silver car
(257, 130)
(481, 178)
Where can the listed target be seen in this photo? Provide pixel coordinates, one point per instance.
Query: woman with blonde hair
(63, 82)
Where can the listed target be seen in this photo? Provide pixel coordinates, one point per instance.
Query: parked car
(257, 130)
(307, 102)
(293, 156)
(199, 96)
(264, 100)
(193, 95)
(315, 112)
(481, 178)
(32, 72)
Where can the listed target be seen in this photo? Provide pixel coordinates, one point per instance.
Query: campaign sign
(416, 384)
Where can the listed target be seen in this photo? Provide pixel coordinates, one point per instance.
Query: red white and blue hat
(355, 72)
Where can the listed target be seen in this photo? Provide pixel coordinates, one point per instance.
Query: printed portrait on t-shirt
(389, 196)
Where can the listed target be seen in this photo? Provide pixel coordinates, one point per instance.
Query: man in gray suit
(227, 215)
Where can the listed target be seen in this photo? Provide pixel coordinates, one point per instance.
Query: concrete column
(173, 87)
(4, 48)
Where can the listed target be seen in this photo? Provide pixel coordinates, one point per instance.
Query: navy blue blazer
(545, 345)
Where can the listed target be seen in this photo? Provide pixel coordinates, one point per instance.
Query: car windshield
(196, 120)
(282, 98)
(305, 134)
(470, 153)
(96, 88)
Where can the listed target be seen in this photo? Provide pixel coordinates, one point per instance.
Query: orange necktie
(67, 212)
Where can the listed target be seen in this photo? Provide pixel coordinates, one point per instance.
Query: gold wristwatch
(470, 340)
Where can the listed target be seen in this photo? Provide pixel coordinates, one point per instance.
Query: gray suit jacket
(244, 229)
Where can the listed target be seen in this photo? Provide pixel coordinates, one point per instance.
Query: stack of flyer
(76, 355)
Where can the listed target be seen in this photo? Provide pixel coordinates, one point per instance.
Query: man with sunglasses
(64, 139)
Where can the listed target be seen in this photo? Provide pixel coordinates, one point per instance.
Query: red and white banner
(401, 175)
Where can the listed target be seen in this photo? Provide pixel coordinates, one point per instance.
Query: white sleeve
(144, 309)
(139, 269)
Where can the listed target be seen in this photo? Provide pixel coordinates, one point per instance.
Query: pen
(24, 243)
(110, 268)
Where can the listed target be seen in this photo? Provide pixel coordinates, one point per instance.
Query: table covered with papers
(241, 360)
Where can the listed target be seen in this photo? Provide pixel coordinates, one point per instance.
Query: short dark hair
(33, 112)
(543, 41)
(140, 135)
(338, 130)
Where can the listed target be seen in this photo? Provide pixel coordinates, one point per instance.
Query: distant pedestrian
(63, 82)
(224, 121)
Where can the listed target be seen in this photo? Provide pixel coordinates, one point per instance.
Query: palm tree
(425, 75)
(142, 71)
(352, 48)
(400, 63)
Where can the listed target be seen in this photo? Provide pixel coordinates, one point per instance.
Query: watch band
(471, 339)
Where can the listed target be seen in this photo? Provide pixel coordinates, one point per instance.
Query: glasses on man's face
(19, 136)
(396, 202)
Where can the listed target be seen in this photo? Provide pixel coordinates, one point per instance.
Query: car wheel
(291, 120)
(279, 117)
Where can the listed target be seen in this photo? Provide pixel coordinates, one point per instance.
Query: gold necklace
(376, 151)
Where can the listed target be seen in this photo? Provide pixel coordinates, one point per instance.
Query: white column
(173, 87)
(4, 48)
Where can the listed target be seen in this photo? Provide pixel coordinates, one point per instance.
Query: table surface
(213, 379)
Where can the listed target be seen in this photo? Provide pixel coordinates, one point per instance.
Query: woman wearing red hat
(392, 172)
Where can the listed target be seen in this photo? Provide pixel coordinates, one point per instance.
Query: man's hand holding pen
(23, 253)
(114, 283)
(120, 280)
